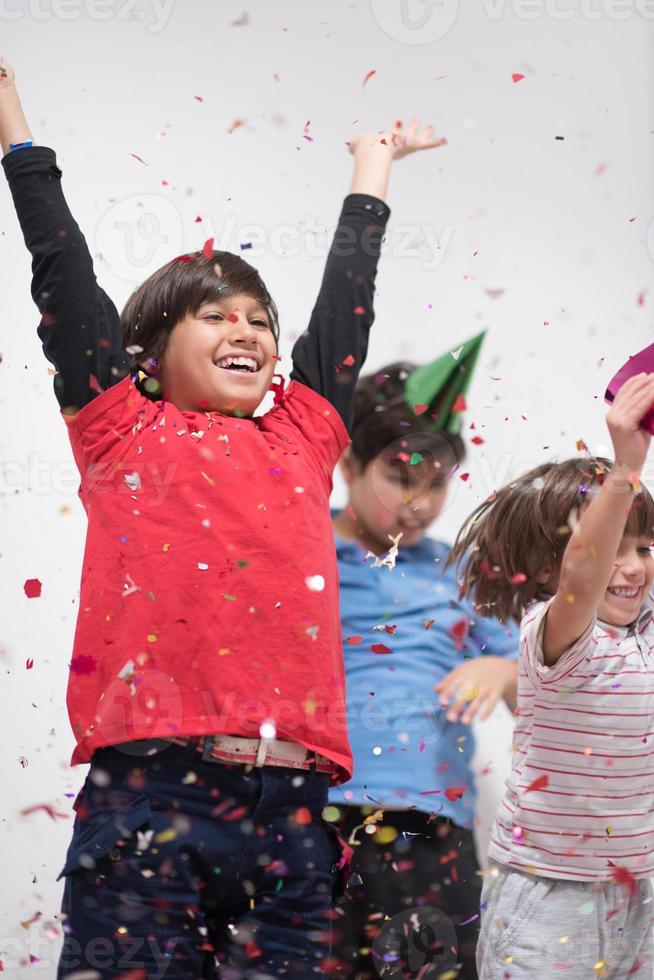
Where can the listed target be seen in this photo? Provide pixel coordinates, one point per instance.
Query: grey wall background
(545, 241)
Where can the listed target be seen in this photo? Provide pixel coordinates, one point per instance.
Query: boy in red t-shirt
(207, 643)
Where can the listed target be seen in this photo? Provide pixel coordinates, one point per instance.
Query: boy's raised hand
(7, 74)
(400, 140)
(374, 154)
(632, 402)
(13, 124)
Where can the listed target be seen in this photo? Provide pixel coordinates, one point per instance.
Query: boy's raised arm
(329, 355)
(80, 327)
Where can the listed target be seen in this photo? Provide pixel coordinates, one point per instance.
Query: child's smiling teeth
(624, 591)
(247, 363)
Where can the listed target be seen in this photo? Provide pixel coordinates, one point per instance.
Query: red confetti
(455, 793)
(459, 404)
(83, 664)
(622, 876)
(459, 633)
(348, 361)
(198, 220)
(251, 948)
(464, 477)
(518, 578)
(32, 588)
(359, 310)
(302, 816)
(207, 249)
(517, 77)
(94, 384)
(47, 808)
(429, 624)
(477, 440)
(47, 320)
(232, 318)
(29, 663)
(539, 783)
(380, 648)
(198, 98)
(354, 640)
(139, 159)
(420, 409)
(369, 76)
(641, 297)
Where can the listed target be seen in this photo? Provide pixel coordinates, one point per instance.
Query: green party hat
(437, 386)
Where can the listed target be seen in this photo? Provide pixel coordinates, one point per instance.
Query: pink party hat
(641, 362)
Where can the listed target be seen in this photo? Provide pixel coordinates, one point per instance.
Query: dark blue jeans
(180, 867)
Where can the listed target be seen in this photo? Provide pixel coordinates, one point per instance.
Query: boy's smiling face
(390, 496)
(220, 358)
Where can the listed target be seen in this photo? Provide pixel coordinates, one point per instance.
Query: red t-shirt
(209, 593)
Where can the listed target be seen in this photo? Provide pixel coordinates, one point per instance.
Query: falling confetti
(539, 783)
(139, 159)
(517, 77)
(32, 588)
(369, 76)
(380, 648)
(454, 793)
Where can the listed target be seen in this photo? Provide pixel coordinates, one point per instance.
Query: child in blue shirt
(420, 664)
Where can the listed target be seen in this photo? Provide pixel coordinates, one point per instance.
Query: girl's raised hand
(632, 402)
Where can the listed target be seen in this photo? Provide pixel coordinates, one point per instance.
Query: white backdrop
(533, 222)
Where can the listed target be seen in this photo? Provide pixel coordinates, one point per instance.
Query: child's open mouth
(627, 592)
(244, 364)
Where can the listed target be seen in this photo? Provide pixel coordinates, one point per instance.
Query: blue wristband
(19, 146)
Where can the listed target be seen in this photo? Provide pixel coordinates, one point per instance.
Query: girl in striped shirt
(566, 551)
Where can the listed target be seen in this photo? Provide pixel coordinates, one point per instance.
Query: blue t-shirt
(404, 748)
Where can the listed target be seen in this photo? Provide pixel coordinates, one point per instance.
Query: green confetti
(416, 458)
(230, 598)
(586, 909)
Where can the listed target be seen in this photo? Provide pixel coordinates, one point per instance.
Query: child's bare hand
(632, 402)
(400, 140)
(475, 687)
(7, 74)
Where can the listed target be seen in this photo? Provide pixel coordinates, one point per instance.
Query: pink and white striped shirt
(579, 802)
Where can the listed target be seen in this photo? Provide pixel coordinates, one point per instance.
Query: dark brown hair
(382, 417)
(182, 287)
(508, 539)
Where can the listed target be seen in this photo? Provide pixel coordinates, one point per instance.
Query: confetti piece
(516, 77)
(354, 640)
(29, 663)
(369, 76)
(388, 561)
(539, 783)
(315, 583)
(429, 624)
(518, 578)
(454, 793)
(459, 404)
(459, 633)
(348, 361)
(380, 648)
(416, 458)
(302, 816)
(477, 441)
(207, 249)
(242, 21)
(198, 98)
(47, 808)
(420, 409)
(622, 876)
(236, 125)
(32, 588)
(359, 310)
(83, 664)
(139, 159)
(464, 477)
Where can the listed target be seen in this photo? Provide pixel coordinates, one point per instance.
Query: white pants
(543, 928)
